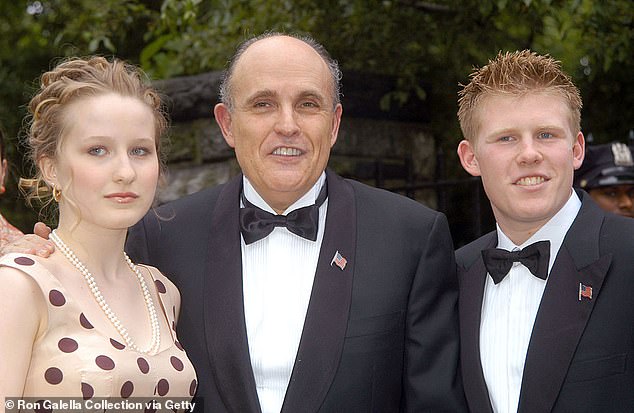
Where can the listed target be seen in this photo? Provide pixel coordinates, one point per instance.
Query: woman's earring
(57, 193)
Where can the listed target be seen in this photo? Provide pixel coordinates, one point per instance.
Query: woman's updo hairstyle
(69, 81)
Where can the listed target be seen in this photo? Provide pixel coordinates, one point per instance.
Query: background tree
(430, 47)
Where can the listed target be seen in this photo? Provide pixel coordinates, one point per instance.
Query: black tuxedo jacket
(581, 352)
(381, 335)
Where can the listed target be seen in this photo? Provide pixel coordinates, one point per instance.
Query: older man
(302, 291)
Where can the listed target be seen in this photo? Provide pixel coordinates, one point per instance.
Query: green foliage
(429, 46)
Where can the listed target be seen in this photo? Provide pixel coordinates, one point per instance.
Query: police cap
(606, 165)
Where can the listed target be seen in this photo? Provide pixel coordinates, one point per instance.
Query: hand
(36, 243)
(40, 229)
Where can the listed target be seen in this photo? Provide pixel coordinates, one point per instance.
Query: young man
(547, 327)
(607, 174)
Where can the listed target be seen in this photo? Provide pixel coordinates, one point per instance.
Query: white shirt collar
(306, 200)
(554, 230)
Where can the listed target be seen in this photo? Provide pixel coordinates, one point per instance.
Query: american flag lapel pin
(585, 291)
(339, 260)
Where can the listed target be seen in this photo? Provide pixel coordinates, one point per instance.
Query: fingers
(40, 229)
(30, 244)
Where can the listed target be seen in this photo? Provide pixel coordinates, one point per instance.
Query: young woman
(87, 322)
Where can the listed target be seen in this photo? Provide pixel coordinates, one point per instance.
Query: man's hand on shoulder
(36, 243)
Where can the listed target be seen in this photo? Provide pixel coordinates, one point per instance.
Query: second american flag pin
(339, 260)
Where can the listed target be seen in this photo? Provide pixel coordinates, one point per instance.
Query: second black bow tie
(255, 223)
(535, 257)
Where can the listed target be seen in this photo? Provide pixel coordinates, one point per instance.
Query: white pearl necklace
(92, 284)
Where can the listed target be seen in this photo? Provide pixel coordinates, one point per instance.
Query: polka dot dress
(73, 359)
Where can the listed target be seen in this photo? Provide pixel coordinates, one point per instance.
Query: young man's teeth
(287, 152)
(533, 180)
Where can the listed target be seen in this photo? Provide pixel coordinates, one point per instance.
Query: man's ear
(468, 158)
(336, 121)
(223, 118)
(578, 150)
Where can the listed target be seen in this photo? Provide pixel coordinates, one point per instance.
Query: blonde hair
(516, 73)
(69, 81)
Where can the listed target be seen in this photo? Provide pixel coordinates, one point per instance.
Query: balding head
(226, 86)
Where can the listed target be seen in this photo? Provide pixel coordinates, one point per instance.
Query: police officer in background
(607, 174)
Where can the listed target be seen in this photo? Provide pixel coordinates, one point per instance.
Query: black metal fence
(461, 199)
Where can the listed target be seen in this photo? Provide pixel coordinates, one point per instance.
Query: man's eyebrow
(501, 132)
(265, 93)
(554, 128)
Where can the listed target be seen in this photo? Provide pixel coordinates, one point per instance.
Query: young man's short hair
(516, 73)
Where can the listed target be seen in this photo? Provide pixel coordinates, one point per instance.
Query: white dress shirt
(277, 280)
(509, 310)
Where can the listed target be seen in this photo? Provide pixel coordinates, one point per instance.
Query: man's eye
(505, 139)
(545, 135)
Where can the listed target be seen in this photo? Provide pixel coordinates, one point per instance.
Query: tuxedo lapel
(563, 313)
(225, 327)
(324, 330)
(472, 282)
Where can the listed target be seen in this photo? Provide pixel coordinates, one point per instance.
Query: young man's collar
(554, 230)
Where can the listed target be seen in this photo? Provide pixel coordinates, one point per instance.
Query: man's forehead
(282, 45)
(279, 50)
(281, 64)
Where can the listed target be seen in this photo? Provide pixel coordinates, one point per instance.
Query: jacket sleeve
(432, 380)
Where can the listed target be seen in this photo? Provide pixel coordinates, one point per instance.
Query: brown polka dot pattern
(176, 363)
(24, 261)
(104, 362)
(143, 365)
(127, 389)
(162, 387)
(53, 375)
(149, 408)
(160, 286)
(67, 345)
(56, 298)
(87, 391)
(116, 344)
(76, 360)
(84, 322)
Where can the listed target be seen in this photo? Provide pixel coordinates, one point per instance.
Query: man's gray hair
(333, 66)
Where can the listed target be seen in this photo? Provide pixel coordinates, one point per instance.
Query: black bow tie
(535, 257)
(256, 223)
